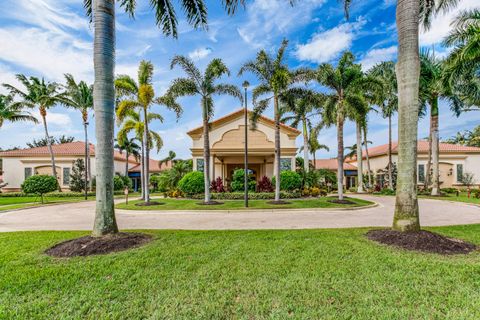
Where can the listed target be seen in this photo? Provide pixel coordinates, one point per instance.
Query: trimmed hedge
(192, 183)
(252, 196)
(53, 194)
(289, 181)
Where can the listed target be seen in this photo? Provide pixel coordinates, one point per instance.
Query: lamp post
(245, 86)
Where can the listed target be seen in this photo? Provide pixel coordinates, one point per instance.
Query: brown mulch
(150, 203)
(344, 201)
(278, 202)
(87, 246)
(422, 240)
(210, 203)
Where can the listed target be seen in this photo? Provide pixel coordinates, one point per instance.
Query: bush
(127, 182)
(289, 181)
(310, 179)
(53, 194)
(238, 181)
(251, 196)
(118, 183)
(77, 177)
(265, 185)
(217, 185)
(449, 190)
(174, 193)
(39, 185)
(192, 183)
(387, 192)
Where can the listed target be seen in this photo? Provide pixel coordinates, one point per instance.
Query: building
(20, 164)
(349, 170)
(227, 146)
(454, 160)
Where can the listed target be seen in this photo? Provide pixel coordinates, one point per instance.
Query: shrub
(174, 193)
(217, 185)
(289, 181)
(40, 184)
(118, 183)
(238, 181)
(192, 183)
(449, 190)
(251, 196)
(311, 179)
(127, 182)
(53, 194)
(77, 177)
(387, 192)
(265, 185)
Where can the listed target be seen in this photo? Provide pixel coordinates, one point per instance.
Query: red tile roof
(76, 148)
(422, 147)
(331, 164)
(154, 166)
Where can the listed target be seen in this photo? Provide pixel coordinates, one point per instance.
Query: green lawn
(183, 204)
(8, 203)
(463, 197)
(295, 274)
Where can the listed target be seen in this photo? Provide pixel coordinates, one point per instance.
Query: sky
(48, 38)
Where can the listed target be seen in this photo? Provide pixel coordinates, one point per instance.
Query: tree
(39, 184)
(302, 106)
(102, 12)
(314, 145)
(388, 102)
(432, 88)
(79, 96)
(78, 182)
(130, 147)
(140, 95)
(170, 158)
(42, 95)
(13, 112)
(467, 179)
(275, 79)
(43, 142)
(467, 138)
(205, 86)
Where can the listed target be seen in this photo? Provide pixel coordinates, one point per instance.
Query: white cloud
(270, 18)
(375, 56)
(441, 25)
(61, 120)
(326, 45)
(199, 53)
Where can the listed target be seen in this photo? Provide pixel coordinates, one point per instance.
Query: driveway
(79, 216)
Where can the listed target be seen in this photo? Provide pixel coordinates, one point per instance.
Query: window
(28, 172)
(285, 164)
(66, 176)
(459, 172)
(421, 173)
(200, 165)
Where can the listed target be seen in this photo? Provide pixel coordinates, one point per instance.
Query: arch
(234, 139)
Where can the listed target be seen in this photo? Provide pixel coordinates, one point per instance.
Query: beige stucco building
(227, 146)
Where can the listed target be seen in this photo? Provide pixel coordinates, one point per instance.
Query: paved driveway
(79, 216)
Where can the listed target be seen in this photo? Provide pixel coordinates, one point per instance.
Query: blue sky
(48, 38)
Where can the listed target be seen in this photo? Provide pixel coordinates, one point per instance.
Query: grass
(187, 204)
(294, 274)
(463, 197)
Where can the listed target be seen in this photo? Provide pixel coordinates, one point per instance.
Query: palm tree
(314, 145)
(344, 100)
(13, 112)
(432, 87)
(302, 106)
(388, 102)
(102, 12)
(205, 86)
(171, 157)
(130, 147)
(79, 96)
(42, 95)
(275, 79)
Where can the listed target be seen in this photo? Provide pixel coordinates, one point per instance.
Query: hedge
(192, 183)
(252, 196)
(52, 194)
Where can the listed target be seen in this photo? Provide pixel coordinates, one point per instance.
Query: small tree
(467, 179)
(192, 183)
(238, 181)
(39, 185)
(77, 177)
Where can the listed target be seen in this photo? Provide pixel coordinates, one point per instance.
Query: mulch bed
(150, 203)
(422, 240)
(344, 201)
(87, 246)
(210, 203)
(279, 202)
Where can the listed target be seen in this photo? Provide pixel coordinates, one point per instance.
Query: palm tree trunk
(390, 174)
(367, 156)
(314, 156)
(104, 105)
(126, 165)
(427, 181)
(359, 159)
(277, 147)
(147, 155)
(206, 151)
(435, 149)
(43, 113)
(86, 159)
(306, 162)
(406, 217)
(142, 171)
(340, 157)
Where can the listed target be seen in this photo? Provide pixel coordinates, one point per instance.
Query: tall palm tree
(13, 112)
(170, 158)
(42, 95)
(130, 147)
(388, 102)
(432, 88)
(301, 106)
(314, 145)
(205, 86)
(79, 96)
(344, 100)
(275, 79)
(102, 12)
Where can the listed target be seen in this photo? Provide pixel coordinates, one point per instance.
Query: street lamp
(245, 86)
